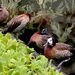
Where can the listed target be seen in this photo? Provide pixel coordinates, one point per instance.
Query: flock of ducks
(42, 42)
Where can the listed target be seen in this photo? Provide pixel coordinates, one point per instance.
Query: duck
(3, 14)
(38, 39)
(17, 23)
(57, 50)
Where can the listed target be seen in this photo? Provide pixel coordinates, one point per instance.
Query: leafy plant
(17, 59)
(12, 7)
(62, 35)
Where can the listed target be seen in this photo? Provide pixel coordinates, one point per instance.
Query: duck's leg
(66, 60)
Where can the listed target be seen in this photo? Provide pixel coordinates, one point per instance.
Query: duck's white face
(50, 41)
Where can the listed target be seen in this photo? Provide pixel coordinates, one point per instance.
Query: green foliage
(56, 29)
(66, 33)
(17, 59)
(68, 7)
(12, 6)
(42, 3)
(62, 35)
(59, 9)
(64, 26)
